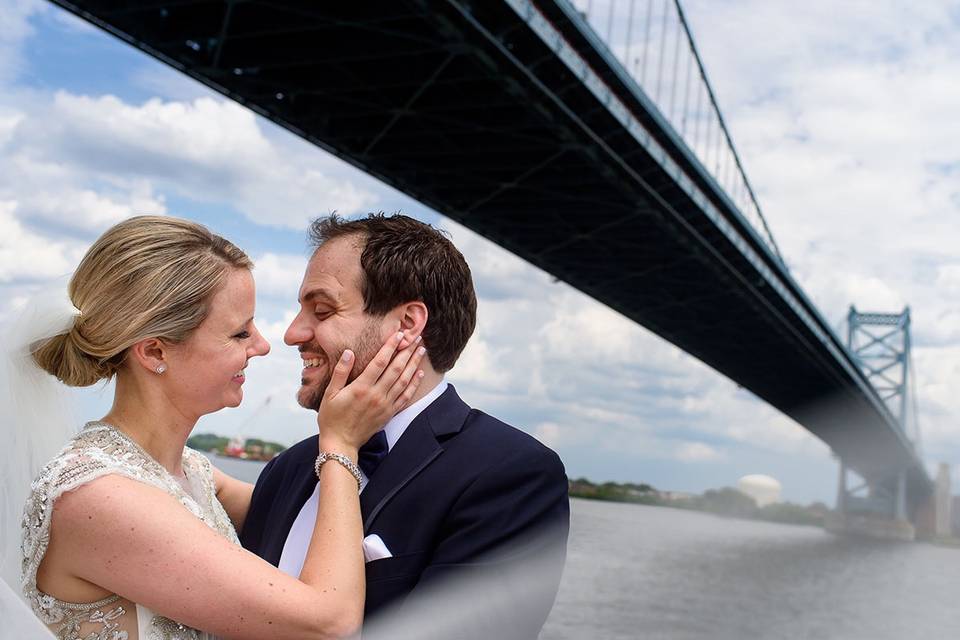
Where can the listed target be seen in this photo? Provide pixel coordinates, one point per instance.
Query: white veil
(33, 412)
(18, 620)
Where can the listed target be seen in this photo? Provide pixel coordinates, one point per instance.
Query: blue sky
(844, 115)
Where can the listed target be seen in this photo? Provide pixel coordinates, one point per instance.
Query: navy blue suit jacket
(458, 492)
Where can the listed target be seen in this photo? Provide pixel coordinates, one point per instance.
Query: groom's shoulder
(470, 431)
(485, 436)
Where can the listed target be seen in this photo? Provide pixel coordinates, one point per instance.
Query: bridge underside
(469, 112)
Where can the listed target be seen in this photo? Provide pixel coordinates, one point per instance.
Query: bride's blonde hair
(148, 276)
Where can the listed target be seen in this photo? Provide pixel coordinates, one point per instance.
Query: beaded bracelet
(343, 460)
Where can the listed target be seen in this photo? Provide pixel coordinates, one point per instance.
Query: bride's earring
(161, 368)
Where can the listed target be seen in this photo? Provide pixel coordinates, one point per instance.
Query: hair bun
(62, 357)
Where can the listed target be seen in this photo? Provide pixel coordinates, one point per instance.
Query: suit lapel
(415, 450)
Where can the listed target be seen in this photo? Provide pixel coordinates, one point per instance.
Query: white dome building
(763, 489)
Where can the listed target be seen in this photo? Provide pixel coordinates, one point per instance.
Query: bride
(128, 534)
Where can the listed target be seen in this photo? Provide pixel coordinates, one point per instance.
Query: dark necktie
(372, 453)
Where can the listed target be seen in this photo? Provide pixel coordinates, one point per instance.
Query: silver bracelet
(346, 462)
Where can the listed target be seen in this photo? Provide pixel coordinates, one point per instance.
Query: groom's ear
(413, 320)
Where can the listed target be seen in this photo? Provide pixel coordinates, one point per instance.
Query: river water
(635, 571)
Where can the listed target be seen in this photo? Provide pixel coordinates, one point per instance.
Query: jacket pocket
(406, 565)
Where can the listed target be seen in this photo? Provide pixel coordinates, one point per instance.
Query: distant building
(236, 447)
(763, 489)
(955, 512)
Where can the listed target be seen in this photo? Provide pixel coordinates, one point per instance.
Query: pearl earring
(161, 368)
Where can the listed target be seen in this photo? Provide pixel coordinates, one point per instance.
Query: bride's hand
(350, 414)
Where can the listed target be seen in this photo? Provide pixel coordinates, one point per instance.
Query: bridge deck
(471, 109)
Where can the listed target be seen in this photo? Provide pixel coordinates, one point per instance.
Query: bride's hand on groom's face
(351, 413)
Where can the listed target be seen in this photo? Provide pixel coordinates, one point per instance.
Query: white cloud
(92, 210)
(548, 433)
(593, 332)
(697, 452)
(30, 256)
(479, 365)
(206, 150)
(14, 30)
(203, 133)
(279, 275)
(498, 274)
(948, 278)
(274, 325)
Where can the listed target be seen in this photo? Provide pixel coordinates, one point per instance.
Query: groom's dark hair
(405, 260)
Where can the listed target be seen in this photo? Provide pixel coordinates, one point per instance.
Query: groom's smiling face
(332, 318)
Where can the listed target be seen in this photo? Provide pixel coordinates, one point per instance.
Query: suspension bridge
(587, 139)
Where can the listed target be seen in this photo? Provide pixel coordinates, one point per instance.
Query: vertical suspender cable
(720, 148)
(676, 63)
(718, 144)
(723, 165)
(727, 178)
(610, 27)
(663, 46)
(686, 97)
(697, 116)
(706, 140)
(646, 43)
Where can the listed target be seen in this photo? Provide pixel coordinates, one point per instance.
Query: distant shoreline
(728, 502)
(237, 447)
(237, 458)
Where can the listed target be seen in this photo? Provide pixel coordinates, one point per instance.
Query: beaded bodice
(98, 450)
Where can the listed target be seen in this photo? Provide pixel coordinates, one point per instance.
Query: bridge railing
(652, 41)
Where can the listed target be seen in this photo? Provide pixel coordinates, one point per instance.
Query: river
(635, 571)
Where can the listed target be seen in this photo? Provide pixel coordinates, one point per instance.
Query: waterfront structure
(588, 143)
(763, 489)
(943, 503)
(880, 344)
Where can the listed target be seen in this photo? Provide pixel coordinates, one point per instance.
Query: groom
(452, 496)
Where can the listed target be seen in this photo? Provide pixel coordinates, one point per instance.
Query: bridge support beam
(900, 499)
(881, 513)
(842, 487)
(944, 502)
(935, 516)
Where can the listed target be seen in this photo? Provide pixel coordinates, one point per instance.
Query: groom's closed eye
(320, 296)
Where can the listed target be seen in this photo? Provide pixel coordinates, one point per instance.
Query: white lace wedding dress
(98, 450)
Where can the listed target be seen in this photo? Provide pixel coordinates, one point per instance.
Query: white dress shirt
(298, 539)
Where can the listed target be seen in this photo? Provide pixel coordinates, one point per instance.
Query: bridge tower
(880, 344)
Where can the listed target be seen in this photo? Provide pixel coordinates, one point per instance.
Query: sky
(845, 117)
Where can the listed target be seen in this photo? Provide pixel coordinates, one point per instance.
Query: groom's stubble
(364, 347)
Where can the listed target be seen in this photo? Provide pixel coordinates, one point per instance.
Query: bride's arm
(139, 542)
(143, 545)
(234, 495)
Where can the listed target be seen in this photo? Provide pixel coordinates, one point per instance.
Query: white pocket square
(374, 548)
